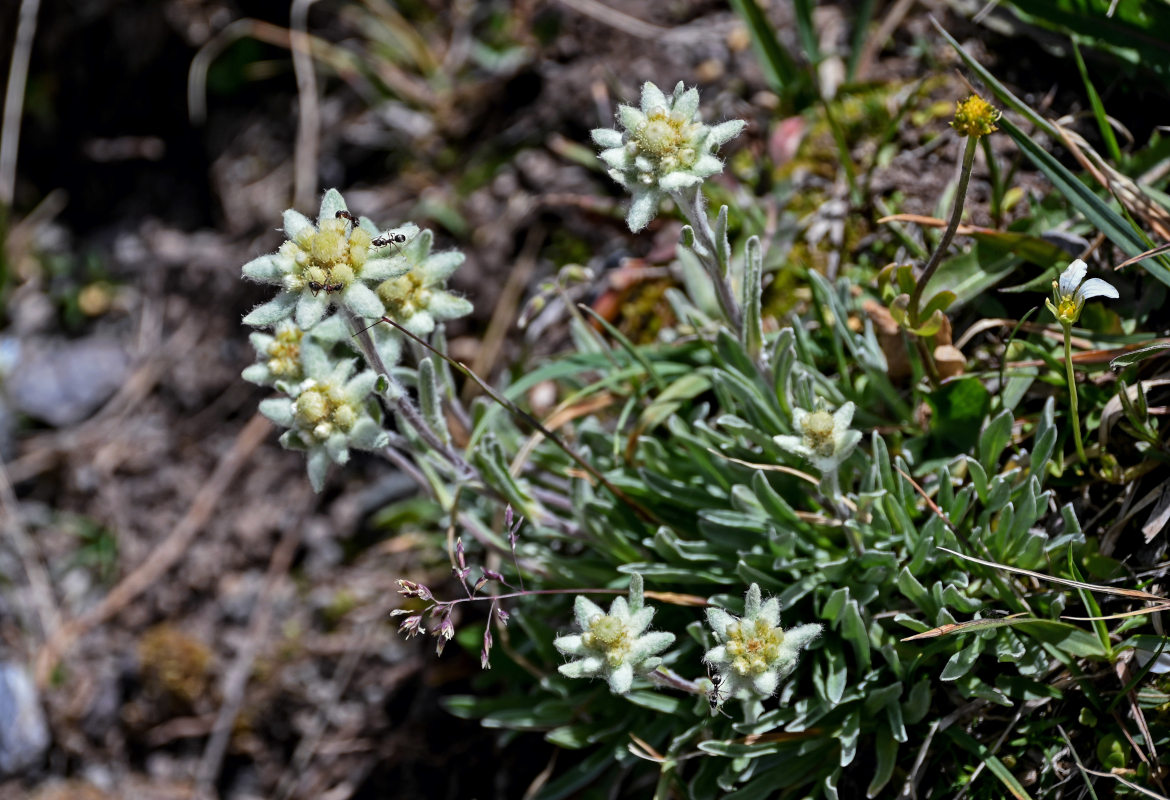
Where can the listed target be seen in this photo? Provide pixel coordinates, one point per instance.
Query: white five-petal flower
(1070, 292)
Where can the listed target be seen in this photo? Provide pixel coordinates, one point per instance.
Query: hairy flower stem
(948, 234)
(414, 418)
(693, 206)
(1072, 394)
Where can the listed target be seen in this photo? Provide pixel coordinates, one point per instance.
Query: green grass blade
(780, 68)
(1098, 108)
(1083, 199)
(857, 40)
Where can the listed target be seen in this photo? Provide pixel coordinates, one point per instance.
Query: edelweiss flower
(280, 355)
(663, 148)
(326, 263)
(825, 439)
(614, 645)
(416, 299)
(327, 413)
(1072, 290)
(754, 653)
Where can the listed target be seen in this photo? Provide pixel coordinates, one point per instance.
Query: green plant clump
(922, 539)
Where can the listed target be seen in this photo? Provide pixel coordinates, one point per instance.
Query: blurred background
(180, 615)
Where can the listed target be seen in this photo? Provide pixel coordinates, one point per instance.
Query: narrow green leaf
(1099, 114)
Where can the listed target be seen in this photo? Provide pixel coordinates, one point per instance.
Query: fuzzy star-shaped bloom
(825, 439)
(1072, 290)
(663, 147)
(754, 653)
(417, 299)
(327, 412)
(614, 646)
(328, 263)
(279, 355)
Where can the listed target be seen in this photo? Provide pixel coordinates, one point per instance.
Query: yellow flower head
(975, 117)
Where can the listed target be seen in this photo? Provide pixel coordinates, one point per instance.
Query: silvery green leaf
(621, 679)
(388, 343)
(273, 311)
(369, 226)
(366, 435)
(707, 165)
(629, 117)
(606, 137)
(318, 466)
(278, 409)
(269, 268)
(677, 181)
(724, 132)
(296, 224)
(652, 98)
(616, 158)
(315, 362)
(421, 323)
(310, 309)
(643, 208)
(686, 103)
(361, 300)
(332, 329)
(331, 203)
(384, 268)
(337, 446)
(445, 306)
(360, 386)
(440, 266)
(257, 374)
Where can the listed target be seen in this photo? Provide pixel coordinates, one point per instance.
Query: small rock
(24, 736)
(62, 382)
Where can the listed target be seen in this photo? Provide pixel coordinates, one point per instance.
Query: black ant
(381, 241)
(389, 238)
(329, 288)
(713, 695)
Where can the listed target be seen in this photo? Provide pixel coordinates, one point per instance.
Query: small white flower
(417, 299)
(754, 653)
(326, 263)
(1072, 290)
(327, 412)
(825, 439)
(664, 147)
(616, 645)
(279, 355)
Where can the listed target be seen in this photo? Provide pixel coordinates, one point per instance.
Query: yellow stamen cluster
(404, 297)
(284, 353)
(328, 255)
(975, 117)
(609, 635)
(665, 138)
(754, 646)
(1068, 308)
(818, 433)
(323, 409)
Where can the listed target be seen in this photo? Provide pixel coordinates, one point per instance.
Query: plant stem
(1072, 393)
(949, 233)
(691, 202)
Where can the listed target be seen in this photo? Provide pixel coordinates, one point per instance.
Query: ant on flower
(381, 241)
